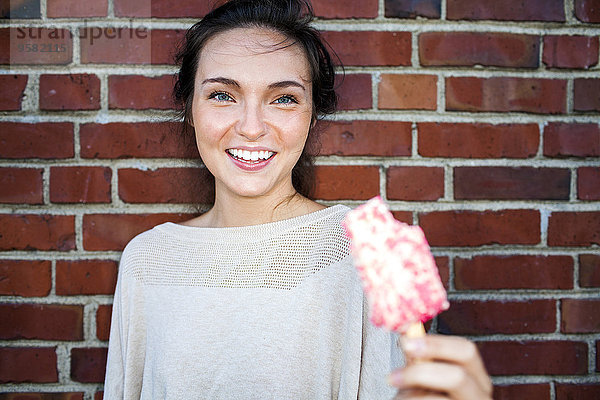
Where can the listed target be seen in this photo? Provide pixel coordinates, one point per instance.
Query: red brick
(587, 10)
(42, 396)
(25, 185)
(588, 183)
(37, 232)
(12, 89)
(88, 365)
(385, 48)
(366, 138)
(415, 183)
(476, 228)
(162, 9)
(85, 277)
(330, 9)
(577, 391)
(28, 364)
(163, 45)
(531, 391)
(413, 8)
(69, 92)
(409, 91)
(103, 316)
(140, 140)
(36, 45)
(570, 51)
(41, 321)
(354, 92)
(165, 185)
(115, 45)
(574, 228)
(25, 278)
(506, 10)
(113, 231)
(443, 264)
(551, 357)
(563, 139)
(20, 10)
(478, 140)
(506, 183)
(75, 8)
(474, 48)
(99, 396)
(499, 272)
(140, 92)
(502, 94)
(580, 316)
(80, 184)
(589, 270)
(586, 94)
(346, 182)
(474, 317)
(42, 140)
(403, 216)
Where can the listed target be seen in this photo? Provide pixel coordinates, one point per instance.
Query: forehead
(248, 51)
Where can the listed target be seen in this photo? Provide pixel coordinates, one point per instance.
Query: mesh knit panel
(262, 256)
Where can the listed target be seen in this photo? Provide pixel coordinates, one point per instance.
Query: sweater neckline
(249, 233)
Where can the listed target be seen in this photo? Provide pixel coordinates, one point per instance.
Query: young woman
(258, 298)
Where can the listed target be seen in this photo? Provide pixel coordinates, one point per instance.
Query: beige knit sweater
(271, 311)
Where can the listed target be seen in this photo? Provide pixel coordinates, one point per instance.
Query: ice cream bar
(399, 275)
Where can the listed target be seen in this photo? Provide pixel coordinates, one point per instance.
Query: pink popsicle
(399, 275)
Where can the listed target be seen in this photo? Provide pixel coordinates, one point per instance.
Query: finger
(451, 349)
(420, 395)
(439, 377)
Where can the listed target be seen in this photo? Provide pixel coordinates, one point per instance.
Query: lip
(254, 166)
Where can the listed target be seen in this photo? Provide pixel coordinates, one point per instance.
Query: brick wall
(478, 120)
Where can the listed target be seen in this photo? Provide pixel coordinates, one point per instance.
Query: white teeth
(247, 155)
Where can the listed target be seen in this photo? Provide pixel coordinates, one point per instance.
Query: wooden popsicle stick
(416, 330)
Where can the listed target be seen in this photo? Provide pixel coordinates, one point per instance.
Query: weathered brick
(80, 184)
(103, 316)
(498, 272)
(403, 216)
(346, 182)
(42, 140)
(502, 94)
(163, 49)
(23, 185)
(42, 396)
(12, 89)
(25, 278)
(570, 51)
(506, 183)
(574, 228)
(588, 183)
(408, 91)
(140, 140)
(69, 92)
(108, 45)
(562, 139)
(366, 138)
(478, 48)
(28, 364)
(587, 11)
(140, 92)
(552, 357)
(162, 9)
(507, 10)
(443, 264)
(354, 92)
(476, 228)
(36, 46)
(589, 270)
(385, 48)
(330, 9)
(85, 277)
(413, 8)
(88, 365)
(437, 139)
(165, 185)
(577, 391)
(537, 391)
(37, 232)
(74, 8)
(580, 316)
(474, 317)
(18, 10)
(99, 395)
(586, 95)
(113, 231)
(415, 183)
(41, 321)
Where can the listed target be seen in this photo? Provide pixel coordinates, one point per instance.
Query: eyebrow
(274, 85)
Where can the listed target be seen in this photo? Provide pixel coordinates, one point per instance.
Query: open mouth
(250, 157)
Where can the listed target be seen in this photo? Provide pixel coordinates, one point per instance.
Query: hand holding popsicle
(403, 288)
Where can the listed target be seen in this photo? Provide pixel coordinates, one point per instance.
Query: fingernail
(414, 346)
(395, 379)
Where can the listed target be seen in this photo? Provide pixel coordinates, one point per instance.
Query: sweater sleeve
(126, 348)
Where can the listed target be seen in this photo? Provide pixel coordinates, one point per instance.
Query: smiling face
(252, 110)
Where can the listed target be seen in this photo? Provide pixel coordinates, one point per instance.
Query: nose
(251, 124)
